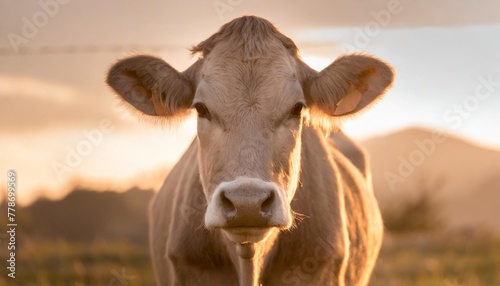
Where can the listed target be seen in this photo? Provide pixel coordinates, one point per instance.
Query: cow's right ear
(152, 86)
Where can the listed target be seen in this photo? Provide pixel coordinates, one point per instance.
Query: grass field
(465, 259)
(461, 259)
(60, 263)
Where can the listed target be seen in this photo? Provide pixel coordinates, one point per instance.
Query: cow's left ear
(349, 84)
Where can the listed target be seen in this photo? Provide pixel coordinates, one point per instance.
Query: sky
(60, 124)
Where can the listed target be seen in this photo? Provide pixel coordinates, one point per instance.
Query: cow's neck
(248, 264)
(250, 258)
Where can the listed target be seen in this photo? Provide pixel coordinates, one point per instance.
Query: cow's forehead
(270, 60)
(277, 64)
(269, 79)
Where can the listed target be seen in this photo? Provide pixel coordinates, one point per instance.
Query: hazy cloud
(28, 104)
(30, 88)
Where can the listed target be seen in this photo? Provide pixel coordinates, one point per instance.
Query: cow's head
(253, 95)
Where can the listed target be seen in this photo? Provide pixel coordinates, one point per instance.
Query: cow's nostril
(267, 205)
(227, 205)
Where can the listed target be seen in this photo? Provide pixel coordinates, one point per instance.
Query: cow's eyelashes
(297, 110)
(202, 110)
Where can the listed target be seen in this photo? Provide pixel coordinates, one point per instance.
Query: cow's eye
(202, 110)
(297, 109)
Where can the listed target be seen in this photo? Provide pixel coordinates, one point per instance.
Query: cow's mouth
(244, 235)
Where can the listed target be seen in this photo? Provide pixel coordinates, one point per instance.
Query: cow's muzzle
(248, 204)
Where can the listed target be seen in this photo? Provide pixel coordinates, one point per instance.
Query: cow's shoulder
(364, 224)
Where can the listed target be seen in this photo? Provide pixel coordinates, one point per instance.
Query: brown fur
(249, 78)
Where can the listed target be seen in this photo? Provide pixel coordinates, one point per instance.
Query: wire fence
(87, 49)
(118, 48)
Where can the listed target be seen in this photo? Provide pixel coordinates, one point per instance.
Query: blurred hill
(87, 216)
(459, 179)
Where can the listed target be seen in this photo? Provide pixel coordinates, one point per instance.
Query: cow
(263, 195)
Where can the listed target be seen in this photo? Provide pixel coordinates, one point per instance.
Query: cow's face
(250, 117)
